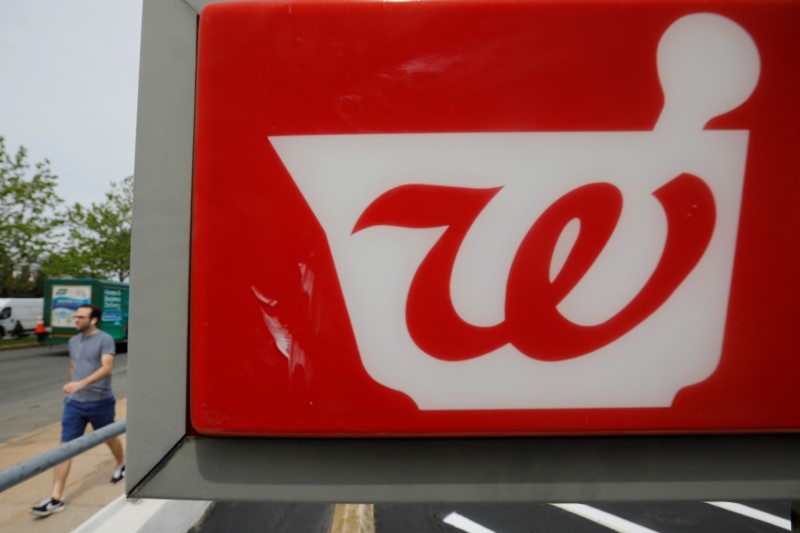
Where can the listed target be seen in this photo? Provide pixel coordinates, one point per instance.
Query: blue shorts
(78, 414)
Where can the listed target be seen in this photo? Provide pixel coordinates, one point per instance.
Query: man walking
(89, 399)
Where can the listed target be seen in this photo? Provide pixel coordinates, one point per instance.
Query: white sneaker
(119, 474)
(47, 507)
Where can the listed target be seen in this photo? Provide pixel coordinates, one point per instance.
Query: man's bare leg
(116, 448)
(60, 473)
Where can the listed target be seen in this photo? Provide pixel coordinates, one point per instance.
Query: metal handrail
(28, 468)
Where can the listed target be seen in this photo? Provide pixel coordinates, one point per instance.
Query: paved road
(669, 517)
(663, 517)
(245, 517)
(30, 387)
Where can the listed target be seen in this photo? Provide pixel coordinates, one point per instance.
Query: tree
(99, 238)
(30, 213)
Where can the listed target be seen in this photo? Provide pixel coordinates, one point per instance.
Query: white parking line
(465, 524)
(603, 518)
(754, 513)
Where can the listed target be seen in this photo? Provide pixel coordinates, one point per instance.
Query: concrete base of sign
(544, 469)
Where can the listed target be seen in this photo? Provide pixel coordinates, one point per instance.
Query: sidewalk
(88, 489)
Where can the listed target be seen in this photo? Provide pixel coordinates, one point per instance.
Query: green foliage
(29, 218)
(66, 262)
(35, 228)
(99, 237)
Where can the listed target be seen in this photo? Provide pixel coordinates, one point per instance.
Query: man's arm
(106, 366)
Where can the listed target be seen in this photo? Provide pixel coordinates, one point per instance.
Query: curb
(21, 346)
(129, 516)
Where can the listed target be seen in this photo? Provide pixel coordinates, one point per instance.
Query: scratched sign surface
(446, 218)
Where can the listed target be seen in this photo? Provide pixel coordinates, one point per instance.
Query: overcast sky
(69, 75)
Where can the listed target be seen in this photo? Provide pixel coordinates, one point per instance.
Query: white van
(24, 311)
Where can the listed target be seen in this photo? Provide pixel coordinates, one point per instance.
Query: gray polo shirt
(85, 354)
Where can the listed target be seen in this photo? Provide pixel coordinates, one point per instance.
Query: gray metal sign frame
(165, 462)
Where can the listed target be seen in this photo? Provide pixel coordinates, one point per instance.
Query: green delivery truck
(62, 297)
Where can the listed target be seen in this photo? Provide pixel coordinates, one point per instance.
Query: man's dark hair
(94, 311)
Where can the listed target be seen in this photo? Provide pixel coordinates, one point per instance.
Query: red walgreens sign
(449, 218)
